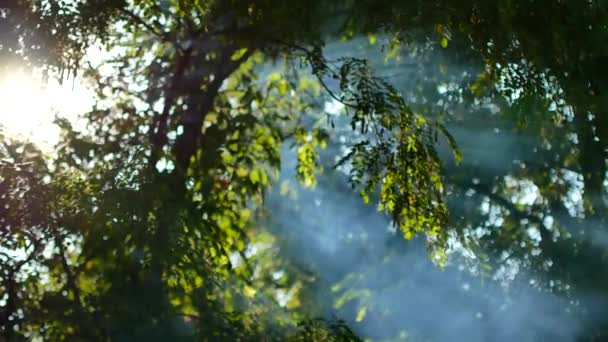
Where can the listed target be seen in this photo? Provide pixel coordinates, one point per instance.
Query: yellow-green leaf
(254, 176)
(238, 54)
(361, 314)
(241, 171)
(372, 39)
(282, 87)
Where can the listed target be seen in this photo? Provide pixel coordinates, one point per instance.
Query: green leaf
(282, 87)
(372, 39)
(254, 176)
(361, 314)
(238, 54)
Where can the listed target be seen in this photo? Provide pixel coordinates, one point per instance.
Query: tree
(145, 222)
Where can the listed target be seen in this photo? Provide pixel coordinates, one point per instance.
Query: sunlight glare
(28, 106)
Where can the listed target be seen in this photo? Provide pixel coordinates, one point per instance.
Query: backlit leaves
(395, 154)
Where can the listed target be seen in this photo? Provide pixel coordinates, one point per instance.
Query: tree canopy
(477, 127)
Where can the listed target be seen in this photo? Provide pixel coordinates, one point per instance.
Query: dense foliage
(150, 222)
